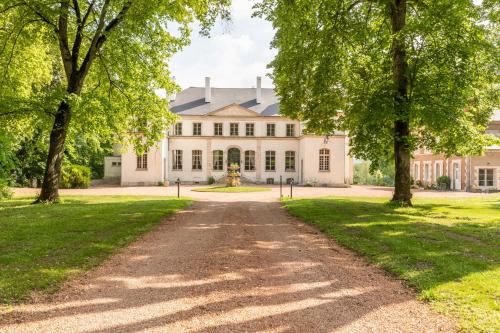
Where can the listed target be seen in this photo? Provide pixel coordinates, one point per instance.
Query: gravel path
(230, 264)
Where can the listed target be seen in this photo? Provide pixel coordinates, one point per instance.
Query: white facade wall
(336, 176)
(131, 176)
(112, 167)
(306, 148)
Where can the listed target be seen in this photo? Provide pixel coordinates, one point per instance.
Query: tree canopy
(95, 65)
(370, 66)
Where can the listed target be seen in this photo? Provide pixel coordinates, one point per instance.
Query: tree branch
(63, 38)
(101, 35)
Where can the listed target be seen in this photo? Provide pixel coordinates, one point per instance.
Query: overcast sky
(233, 56)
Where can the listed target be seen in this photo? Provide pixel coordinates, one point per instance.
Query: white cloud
(233, 56)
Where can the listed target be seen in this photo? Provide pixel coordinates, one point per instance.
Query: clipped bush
(75, 176)
(443, 183)
(211, 180)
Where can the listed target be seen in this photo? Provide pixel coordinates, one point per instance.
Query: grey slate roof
(191, 101)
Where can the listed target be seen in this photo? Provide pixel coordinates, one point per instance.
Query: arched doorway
(233, 156)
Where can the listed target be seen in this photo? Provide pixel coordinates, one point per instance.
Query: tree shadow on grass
(227, 268)
(425, 244)
(45, 244)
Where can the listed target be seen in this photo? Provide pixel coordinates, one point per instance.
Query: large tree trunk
(50, 185)
(402, 193)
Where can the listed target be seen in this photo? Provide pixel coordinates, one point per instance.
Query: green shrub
(211, 180)
(75, 176)
(5, 192)
(443, 183)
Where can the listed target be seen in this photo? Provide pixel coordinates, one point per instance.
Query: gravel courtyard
(230, 263)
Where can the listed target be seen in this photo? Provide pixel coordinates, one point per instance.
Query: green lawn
(448, 249)
(43, 245)
(229, 189)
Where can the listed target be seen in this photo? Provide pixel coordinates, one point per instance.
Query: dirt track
(231, 265)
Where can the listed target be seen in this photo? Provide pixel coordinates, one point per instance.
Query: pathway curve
(231, 263)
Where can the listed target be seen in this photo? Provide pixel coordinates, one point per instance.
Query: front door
(456, 176)
(233, 156)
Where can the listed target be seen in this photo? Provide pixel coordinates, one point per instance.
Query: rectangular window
(415, 172)
(271, 130)
(196, 128)
(234, 129)
(270, 160)
(177, 160)
(485, 177)
(218, 129)
(289, 161)
(324, 159)
(438, 170)
(142, 162)
(249, 160)
(426, 172)
(196, 159)
(178, 129)
(250, 129)
(218, 161)
(290, 129)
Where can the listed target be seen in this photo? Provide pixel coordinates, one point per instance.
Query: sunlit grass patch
(448, 249)
(43, 245)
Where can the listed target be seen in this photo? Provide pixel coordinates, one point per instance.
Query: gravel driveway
(231, 263)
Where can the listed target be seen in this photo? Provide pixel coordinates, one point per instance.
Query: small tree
(404, 73)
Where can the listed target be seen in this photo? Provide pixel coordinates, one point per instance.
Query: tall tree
(396, 74)
(105, 58)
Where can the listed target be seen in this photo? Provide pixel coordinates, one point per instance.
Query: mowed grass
(43, 245)
(448, 249)
(230, 189)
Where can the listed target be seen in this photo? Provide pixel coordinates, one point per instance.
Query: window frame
(270, 160)
(236, 126)
(438, 165)
(252, 126)
(290, 156)
(485, 177)
(249, 157)
(197, 129)
(178, 129)
(177, 163)
(199, 159)
(273, 126)
(290, 130)
(216, 133)
(324, 159)
(142, 162)
(218, 157)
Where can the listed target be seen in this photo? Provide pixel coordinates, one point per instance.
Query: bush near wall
(75, 176)
(443, 183)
